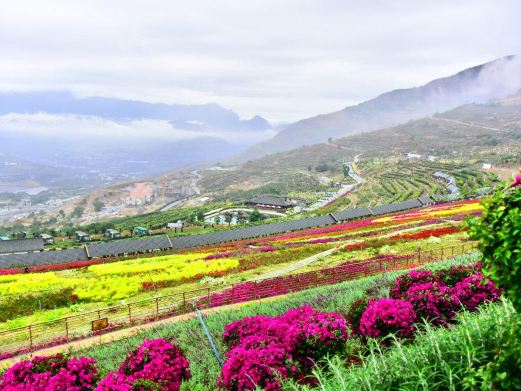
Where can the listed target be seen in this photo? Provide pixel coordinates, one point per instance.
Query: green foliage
(499, 233)
(503, 365)
(256, 216)
(19, 305)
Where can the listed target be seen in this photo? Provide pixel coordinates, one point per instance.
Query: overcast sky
(282, 59)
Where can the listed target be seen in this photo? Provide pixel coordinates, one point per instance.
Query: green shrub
(18, 305)
(502, 368)
(499, 233)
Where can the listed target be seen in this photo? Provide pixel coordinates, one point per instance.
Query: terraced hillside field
(398, 180)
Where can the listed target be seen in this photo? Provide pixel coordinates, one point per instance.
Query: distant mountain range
(188, 117)
(115, 137)
(479, 84)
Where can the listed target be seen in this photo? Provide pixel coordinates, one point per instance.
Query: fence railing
(56, 332)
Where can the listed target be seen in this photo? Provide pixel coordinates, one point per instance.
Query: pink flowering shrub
(475, 290)
(55, 373)
(388, 316)
(235, 332)
(249, 367)
(311, 334)
(266, 349)
(405, 281)
(156, 364)
(432, 301)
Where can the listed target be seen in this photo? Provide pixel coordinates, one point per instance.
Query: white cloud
(81, 127)
(282, 59)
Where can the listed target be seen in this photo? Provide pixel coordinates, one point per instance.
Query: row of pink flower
(154, 365)
(248, 291)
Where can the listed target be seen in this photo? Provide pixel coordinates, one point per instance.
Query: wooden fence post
(157, 307)
(30, 336)
(66, 329)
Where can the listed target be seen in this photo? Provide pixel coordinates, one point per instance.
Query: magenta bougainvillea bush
(155, 365)
(261, 366)
(265, 349)
(475, 290)
(388, 316)
(405, 281)
(433, 302)
(57, 373)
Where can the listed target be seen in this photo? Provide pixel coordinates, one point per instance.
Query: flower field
(96, 283)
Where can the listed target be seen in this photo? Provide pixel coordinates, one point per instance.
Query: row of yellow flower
(116, 280)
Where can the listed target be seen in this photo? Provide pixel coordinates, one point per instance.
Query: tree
(256, 216)
(200, 216)
(228, 217)
(241, 218)
(499, 231)
(217, 219)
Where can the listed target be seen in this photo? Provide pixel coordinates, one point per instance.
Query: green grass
(437, 359)
(191, 339)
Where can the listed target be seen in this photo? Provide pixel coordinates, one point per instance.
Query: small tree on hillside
(499, 233)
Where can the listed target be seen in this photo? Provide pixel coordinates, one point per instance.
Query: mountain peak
(479, 84)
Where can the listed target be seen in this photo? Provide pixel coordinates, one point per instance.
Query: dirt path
(297, 265)
(470, 124)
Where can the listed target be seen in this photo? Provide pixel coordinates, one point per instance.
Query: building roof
(425, 200)
(81, 233)
(273, 200)
(20, 245)
(142, 228)
(112, 231)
